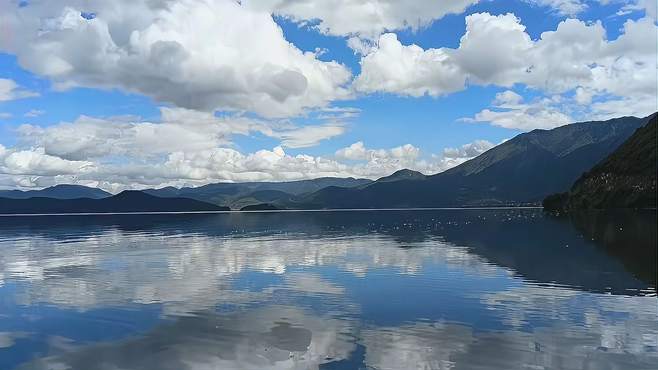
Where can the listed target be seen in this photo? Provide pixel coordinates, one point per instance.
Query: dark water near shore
(452, 289)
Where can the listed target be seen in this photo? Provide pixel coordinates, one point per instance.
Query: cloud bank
(188, 148)
(229, 58)
(573, 62)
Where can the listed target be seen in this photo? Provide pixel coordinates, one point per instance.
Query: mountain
(239, 195)
(403, 174)
(260, 197)
(57, 192)
(260, 207)
(522, 170)
(625, 179)
(127, 201)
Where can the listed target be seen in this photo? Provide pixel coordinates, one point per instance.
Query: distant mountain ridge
(239, 195)
(624, 179)
(63, 191)
(223, 195)
(522, 170)
(127, 201)
(404, 174)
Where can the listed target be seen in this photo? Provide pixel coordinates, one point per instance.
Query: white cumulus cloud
(469, 150)
(409, 70)
(509, 110)
(563, 7)
(10, 90)
(229, 57)
(36, 162)
(365, 18)
(576, 58)
(374, 163)
(188, 148)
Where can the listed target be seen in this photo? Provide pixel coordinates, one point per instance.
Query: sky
(131, 94)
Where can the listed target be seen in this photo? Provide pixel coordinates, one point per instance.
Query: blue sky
(381, 98)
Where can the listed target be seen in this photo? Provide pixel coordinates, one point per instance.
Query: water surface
(451, 289)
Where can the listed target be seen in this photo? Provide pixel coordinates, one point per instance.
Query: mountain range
(127, 201)
(57, 192)
(520, 171)
(240, 195)
(624, 179)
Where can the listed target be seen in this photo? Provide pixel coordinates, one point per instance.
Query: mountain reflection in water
(453, 289)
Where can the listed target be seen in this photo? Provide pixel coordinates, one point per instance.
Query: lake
(440, 289)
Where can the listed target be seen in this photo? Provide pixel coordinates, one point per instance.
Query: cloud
(264, 165)
(183, 147)
(35, 168)
(583, 96)
(222, 164)
(408, 70)
(34, 113)
(469, 150)
(648, 6)
(376, 163)
(356, 151)
(452, 157)
(9, 90)
(618, 107)
(366, 19)
(493, 48)
(497, 50)
(578, 55)
(178, 130)
(572, 8)
(337, 114)
(508, 98)
(309, 135)
(5, 115)
(562, 7)
(152, 48)
(37, 163)
(189, 148)
(510, 111)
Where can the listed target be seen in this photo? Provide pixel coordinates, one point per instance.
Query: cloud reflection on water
(397, 297)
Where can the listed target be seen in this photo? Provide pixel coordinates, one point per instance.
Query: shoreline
(145, 213)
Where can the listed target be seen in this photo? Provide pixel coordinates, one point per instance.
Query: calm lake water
(445, 289)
